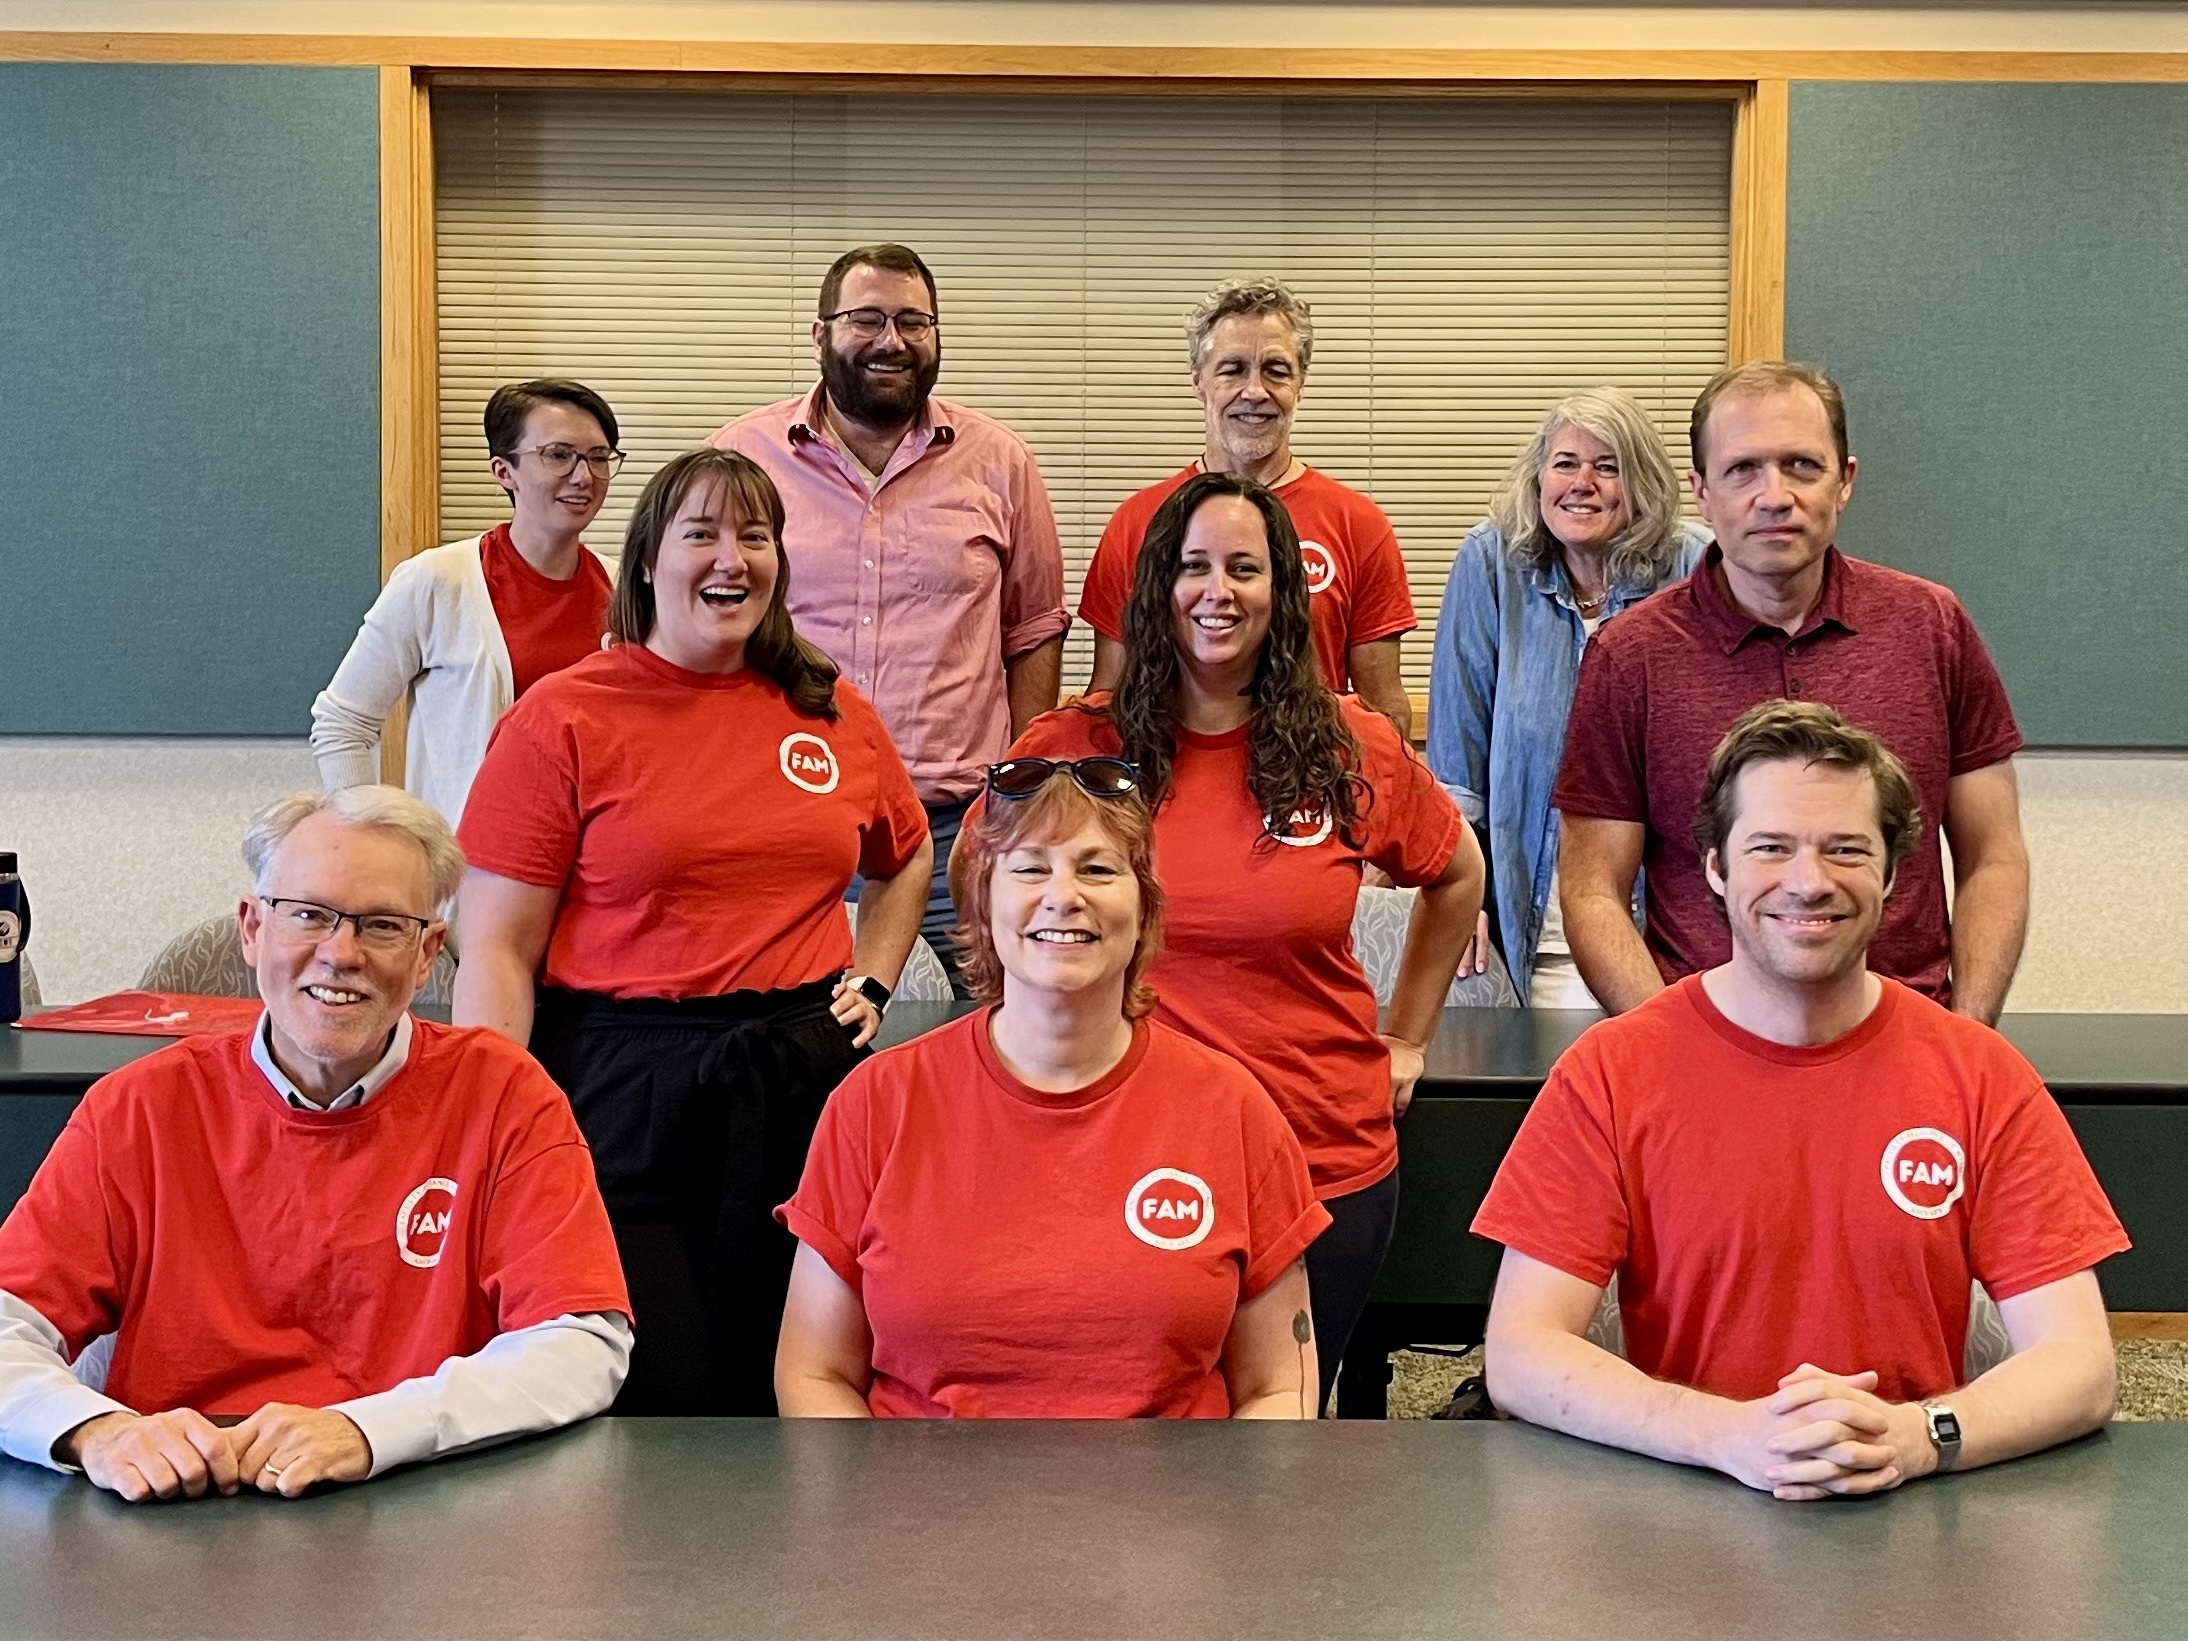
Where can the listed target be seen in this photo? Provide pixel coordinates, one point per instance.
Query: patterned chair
(31, 999)
(208, 962)
(1986, 1347)
(1378, 937)
(924, 979)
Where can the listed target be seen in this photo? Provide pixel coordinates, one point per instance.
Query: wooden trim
(866, 60)
(2149, 1324)
(410, 499)
(1759, 146)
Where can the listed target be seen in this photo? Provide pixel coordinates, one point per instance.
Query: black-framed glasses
(307, 922)
(1016, 778)
(561, 459)
(868, 323)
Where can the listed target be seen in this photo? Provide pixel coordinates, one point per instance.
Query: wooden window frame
(1757, 83)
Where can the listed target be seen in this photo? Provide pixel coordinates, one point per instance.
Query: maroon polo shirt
(1659, 687)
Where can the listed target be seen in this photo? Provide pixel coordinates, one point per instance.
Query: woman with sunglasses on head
(1056, 1207)
(1270, 796)
(461, 632)
(662, 835)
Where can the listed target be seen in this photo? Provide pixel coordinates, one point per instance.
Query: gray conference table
(732, 1527)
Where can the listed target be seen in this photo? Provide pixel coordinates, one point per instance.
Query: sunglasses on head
(1101, 777)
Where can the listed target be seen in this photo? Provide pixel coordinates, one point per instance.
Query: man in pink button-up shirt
(924, 548)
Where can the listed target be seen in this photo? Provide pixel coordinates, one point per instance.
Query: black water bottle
(14, 936)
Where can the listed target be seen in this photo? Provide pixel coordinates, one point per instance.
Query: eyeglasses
(560, 459)
(308, 923)
(1017, 778)
(868, 323)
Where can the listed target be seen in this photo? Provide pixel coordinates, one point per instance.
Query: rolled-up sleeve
(1033, 568)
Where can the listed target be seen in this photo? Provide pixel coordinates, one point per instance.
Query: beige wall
(2146, 27)
(126, 843)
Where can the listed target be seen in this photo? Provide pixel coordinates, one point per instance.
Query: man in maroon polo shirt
(1775, 610)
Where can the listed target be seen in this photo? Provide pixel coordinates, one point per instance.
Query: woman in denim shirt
(1584, 525)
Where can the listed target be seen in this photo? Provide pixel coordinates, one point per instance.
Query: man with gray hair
(1251, 341)
(342, 1241)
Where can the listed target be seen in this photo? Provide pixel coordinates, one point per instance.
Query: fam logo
(421, 1224)
(1170, 1209)
(1304, 830)
(11, 936)
(1321, 566)
(1925, 1172)
(809, 762)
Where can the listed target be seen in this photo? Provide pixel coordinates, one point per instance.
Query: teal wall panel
(1998, 275)
(189, 393)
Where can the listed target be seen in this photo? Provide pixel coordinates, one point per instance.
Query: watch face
(874, 991)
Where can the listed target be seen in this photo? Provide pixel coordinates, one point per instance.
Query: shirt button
(865, 677)
(1793, 687)
(869, 564)
(866, 621)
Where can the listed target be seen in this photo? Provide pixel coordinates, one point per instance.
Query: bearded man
(928, 566)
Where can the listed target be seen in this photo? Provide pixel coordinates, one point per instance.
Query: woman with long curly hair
(660, 839)
(1270, 796)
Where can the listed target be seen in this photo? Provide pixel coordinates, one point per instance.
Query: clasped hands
(282, 1448)
(1825, 1435)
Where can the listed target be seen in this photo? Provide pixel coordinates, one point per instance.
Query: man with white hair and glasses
(1251, 341)
(342, 1241)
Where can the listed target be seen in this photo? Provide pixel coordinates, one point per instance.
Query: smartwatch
(871, 989)
(1944, 1428)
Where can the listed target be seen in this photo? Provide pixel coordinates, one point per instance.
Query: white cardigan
(432, 636)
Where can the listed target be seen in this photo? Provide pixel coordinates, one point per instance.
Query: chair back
(1378, 939)
(207, 961)
(924, 980)
(31, 999)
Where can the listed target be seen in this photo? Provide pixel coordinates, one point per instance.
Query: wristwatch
(871, 989)
(1944, 1428)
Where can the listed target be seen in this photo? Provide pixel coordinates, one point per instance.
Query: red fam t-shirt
(700, 828)
(1765, 1206)
(1022, 1254)
(1659, 687)
(1257, 957)
(245, 1252)
(1355, 573)
(546, 624)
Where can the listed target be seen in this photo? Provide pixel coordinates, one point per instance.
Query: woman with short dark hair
(662, 835)
(461, 632)
(1270, 796)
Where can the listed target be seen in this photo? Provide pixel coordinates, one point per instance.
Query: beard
(879, 401)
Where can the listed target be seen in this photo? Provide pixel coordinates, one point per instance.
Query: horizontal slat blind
(1467, 260)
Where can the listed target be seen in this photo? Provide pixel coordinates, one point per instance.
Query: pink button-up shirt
(921, 590)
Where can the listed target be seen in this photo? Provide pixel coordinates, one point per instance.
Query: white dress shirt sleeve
(41, 1399)
(529, 1379)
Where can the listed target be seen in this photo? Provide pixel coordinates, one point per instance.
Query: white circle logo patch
(1925, 1172)
(1304, 830)
(1170, 1209)
(1321, 566)
(421, 1223)
(808, 762)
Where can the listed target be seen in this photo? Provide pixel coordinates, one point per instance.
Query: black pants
(1342, 1265)
(699, 1113)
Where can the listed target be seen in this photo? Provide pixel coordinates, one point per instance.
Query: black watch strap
(872, 990)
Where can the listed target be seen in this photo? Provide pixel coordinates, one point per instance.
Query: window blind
(1467, 261)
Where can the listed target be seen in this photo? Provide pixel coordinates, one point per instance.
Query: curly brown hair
(1301, 755)
(774, 650)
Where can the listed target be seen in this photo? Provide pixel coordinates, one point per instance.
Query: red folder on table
(150, 1014)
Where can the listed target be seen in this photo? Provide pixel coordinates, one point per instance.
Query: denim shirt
(1508, 647)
